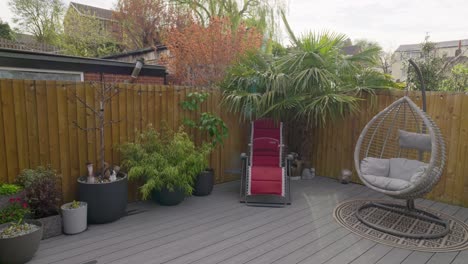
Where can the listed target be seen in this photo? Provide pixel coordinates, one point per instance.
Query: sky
(390, 23)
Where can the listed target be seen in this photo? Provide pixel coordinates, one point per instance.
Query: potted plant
(19, 241)
(105, 189)
(216, 129)
(16, 210)
(8, 191)
(74, 216)
(167, 163)
(42, 193)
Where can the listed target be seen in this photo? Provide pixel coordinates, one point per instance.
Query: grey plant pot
(75, 220)
(21, 249)
(107, 202)
(52, 226)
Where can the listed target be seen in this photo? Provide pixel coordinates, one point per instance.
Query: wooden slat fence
(332, 147)
(36, 126)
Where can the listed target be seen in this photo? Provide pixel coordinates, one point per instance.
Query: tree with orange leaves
(200, 55)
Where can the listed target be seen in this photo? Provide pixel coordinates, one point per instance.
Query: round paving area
(457, 239)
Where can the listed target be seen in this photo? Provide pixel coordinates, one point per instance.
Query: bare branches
(85, 104)
(104, 93)
(83, 128)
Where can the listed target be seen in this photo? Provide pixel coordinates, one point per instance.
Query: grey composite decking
(218, 229)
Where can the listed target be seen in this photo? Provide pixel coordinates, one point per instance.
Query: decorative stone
(345, 176)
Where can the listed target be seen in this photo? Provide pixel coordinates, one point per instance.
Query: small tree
(5, 30)
(458, 79)
(200, 55)
(431, 66)
(105, 92)
(41, 18)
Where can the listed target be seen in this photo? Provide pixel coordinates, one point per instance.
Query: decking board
(219, 229)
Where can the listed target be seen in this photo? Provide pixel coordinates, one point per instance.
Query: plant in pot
(42, 193)
(166, 162)
(75, 217)
(216, 130)
(19, 241)
(105, 189)
(8, 191)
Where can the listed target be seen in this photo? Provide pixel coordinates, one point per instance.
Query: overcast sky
(390, 22)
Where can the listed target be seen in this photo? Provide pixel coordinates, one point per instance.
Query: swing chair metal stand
(409, 209)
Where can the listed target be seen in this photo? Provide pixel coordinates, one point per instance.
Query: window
(36, 74)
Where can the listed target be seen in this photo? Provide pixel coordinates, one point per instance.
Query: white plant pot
(74, 220)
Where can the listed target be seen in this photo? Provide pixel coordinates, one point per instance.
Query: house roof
(136, 52)
(442, 44)
(40, 60)
(91, 10)
(351, 50)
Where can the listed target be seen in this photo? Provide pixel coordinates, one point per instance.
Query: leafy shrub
(9, 189)
(42, 190)
(167, 160)
(208, 122)
(16, 210)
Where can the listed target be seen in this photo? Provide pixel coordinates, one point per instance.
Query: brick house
(105, 16)
(20, 64)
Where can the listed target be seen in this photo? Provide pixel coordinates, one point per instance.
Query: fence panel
(38, 126)
(333, 145)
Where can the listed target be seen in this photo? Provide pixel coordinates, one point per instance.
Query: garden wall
(331, 148)
(36, 126)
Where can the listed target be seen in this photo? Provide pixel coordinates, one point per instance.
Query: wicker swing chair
(401, 153)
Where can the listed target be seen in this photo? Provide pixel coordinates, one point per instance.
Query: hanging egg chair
(401, 153)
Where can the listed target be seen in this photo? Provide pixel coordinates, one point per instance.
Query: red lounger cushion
(265, 152)
(266, 180)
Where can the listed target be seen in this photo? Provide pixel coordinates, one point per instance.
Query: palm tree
(313, 82)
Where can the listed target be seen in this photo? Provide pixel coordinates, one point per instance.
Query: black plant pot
(166, 197)
(204, 183)
(107, 202)
(21, 249)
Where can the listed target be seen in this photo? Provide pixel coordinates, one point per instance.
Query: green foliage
(193, 101)
(458, 79)
(75, 205)
(264, 15)
(431, 65)
(314, 81)
(42, 190)
(164, 160)
(41, 18)
(5, 31)
(16, 210)
(215, 126)
(208, 122)
(9, 189)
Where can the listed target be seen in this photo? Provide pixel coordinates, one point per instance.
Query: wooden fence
(332, 147)
(36, 126)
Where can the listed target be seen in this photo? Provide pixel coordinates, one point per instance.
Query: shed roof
(40, 60)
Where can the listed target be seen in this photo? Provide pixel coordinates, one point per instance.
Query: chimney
(458, 51)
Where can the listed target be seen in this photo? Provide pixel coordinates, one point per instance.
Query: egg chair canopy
(401, 153)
